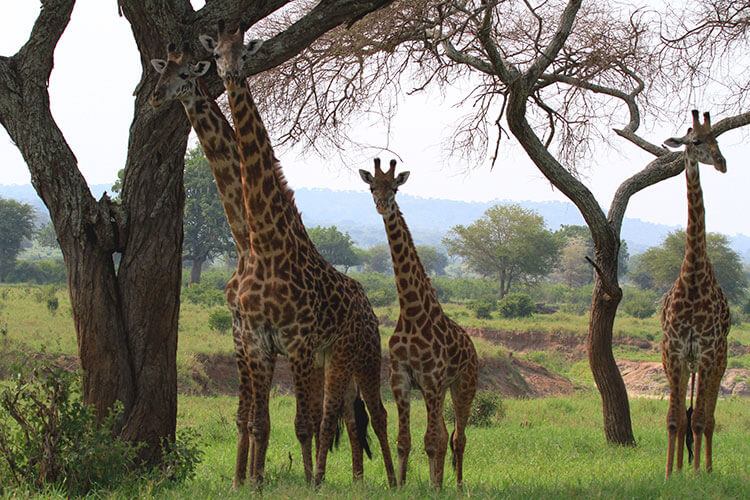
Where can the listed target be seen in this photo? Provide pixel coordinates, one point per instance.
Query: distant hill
(428, 218)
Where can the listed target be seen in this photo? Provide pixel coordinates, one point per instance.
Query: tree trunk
(195, 271)
(615, 405)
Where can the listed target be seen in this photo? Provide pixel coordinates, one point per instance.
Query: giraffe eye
(697, 142)
(183, 76)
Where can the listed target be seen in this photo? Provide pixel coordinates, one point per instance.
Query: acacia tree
(559, 75)
(16, 224)
(508, 243)
(126, 316)
(336, 247)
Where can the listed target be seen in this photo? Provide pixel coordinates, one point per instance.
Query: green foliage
(48, 437)
(487, 409)
(380, 288)
(16, 224)
(38, 271)
(181, 457)
(337, 248)
(378, 259)
(516, 305)
(658, 267)
(45, 236)
(508, 243)
(433, 260)
(205, 225)
(52, 304)
(217, 279)
(482, 308)
(220, 320)
(466, 288)
(203, 293)
(639, 303)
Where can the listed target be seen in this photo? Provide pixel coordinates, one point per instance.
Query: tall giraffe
(297, 304)
(695, 317)
(180, 80)
(428, 350)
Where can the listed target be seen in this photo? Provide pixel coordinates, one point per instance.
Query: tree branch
(545, 59)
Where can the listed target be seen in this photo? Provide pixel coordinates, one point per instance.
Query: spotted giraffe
(180, 80)
(695, 317)
(296, 303)
(428, 350)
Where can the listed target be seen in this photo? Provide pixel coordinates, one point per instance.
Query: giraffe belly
(270, 340)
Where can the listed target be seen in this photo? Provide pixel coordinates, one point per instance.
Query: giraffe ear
(159, 65)
(676, 142)
(401, 178)
(200, 68)
(366, 176)
(208, 43)
(253, 46)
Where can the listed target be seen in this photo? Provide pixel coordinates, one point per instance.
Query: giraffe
(428, 350)
(180, 80)
(297, 304)
(695, 317)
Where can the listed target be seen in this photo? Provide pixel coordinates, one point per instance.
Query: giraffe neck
(415, 291)
(695, 249)
(272, 215)
(218, 142)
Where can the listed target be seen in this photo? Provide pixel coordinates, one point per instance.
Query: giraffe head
(230, 53)
(700, 144)
(178, 75)
(383, 186)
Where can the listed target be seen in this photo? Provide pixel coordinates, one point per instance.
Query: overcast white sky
(97, 68)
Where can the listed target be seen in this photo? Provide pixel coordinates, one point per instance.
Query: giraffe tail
(361, 421)
(689, 434)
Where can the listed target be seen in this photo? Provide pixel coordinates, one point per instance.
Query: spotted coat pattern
(428, 350)
(695, 317)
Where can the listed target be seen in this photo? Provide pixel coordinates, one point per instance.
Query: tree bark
(195, 271)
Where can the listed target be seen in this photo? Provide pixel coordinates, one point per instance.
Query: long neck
(695, 250)
(272, 214)
(414, 288)
(218, 141)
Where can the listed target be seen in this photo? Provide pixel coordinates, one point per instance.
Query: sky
(97, 68)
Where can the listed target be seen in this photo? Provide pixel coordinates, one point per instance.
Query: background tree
(335, 247)
(508, 243)
(16, 225)
(206, 229)
(562, 77)
(126, 316)
(379, 259)
(658, 267)
(433, 260)
(572, 268)
(45, 236)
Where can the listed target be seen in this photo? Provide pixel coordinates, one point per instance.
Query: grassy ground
(549, 448)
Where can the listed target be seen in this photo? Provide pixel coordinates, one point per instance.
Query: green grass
(547, 448)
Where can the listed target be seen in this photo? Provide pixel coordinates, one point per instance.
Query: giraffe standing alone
(428, 350)
(295, 303)
(695, 317)
(180, 80)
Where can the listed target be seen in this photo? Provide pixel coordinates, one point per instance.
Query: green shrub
(516, 305)
(639, 303)
(220, 320)
(482, 308)
(487, 409)
(52, 304)
(38, 271)
(382, 297)
(204, 294)
(380, 288)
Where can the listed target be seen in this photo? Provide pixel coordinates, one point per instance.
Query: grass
(546, 448)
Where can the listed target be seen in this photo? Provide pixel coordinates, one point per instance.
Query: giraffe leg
(302, 365)
(462, 395)
(436, 436)
(400, 386)
(699, 413)
(243, 416)
(367, 374)
(261, 374)
(351, 429)
(676, 413)
(316, 403)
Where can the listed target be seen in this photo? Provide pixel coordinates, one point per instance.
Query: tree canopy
(508, 243)
(658, 267)
(16, 224)
(335, 247)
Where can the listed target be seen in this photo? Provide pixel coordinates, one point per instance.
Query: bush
(516, 305)
(49, 439)
(220, 320)
(486, 410)
(38, 271)
(382, 297)
(639, 303)
(203, 293)
(380, 288)
(482, 308)
(52, 304)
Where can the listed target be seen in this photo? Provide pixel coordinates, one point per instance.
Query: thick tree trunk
(195, 271)
(615, 405)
